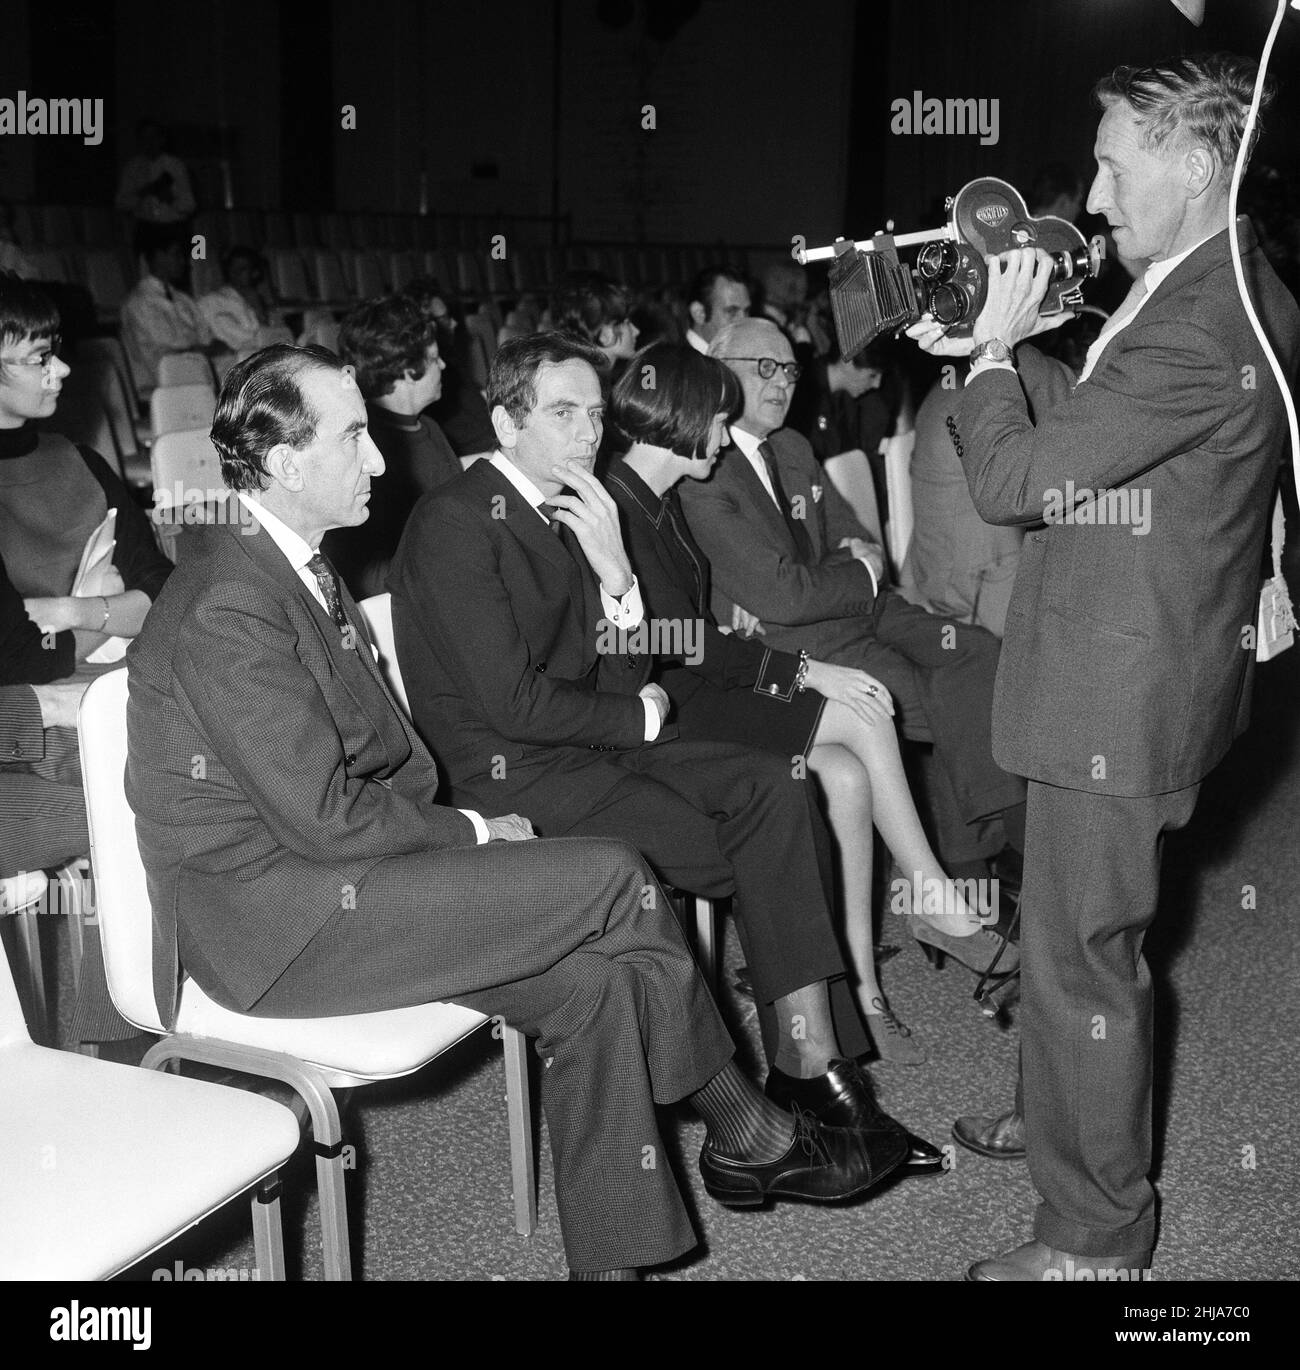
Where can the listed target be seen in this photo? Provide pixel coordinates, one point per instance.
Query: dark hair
(424, 290)
(240, 253)
(386, 339)
(1206, 96)
(669, 395)
(26, 311)
(512, 378)
(261, 405)
(587, 301)
(705, 281)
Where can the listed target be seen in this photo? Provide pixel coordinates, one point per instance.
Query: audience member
(726, 687)
(460, 412)
(392, 345)
(154, 187)
(258, 659)
(13, 258)
(158, 316)
(787, 550)
(594, 307)
(522, 650)
(718, 297)
(53, 496)
(239, 314)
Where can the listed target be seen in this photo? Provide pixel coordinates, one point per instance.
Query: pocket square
(817, 494)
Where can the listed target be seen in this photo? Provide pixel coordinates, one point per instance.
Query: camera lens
(937, 261)
(949, 303)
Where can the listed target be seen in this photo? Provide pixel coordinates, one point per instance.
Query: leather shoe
(999, 1139)
(1036, 1261)
(844, 1097)
(822, 1165)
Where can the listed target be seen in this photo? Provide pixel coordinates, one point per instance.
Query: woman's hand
(58, 613)
(745, 623)
(861, 692)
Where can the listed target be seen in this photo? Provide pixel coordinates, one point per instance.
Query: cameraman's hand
(1017, 286)
(511, 828)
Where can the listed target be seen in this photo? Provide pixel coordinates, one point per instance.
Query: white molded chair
(378, 611)
(312, 1055)
(898, 484)
(850, 473)
(184, 368)
(101, 1164)
(177, 407)
(186, 471)
(27, 899)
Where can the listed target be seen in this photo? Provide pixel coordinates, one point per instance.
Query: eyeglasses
(767, 367)
(41, 360)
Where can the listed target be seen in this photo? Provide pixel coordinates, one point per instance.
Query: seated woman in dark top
(726, 687)
(53, 495)
(392, 344)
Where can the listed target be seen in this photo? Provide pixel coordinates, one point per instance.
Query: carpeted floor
(430, 1196)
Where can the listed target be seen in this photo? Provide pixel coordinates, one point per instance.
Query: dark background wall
(771, 118)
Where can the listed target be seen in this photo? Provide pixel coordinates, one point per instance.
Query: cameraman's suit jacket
(1127, 663)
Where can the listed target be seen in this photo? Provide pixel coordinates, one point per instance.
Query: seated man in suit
(392, 346)
(298, 864)
(519, 627)
(786, 549)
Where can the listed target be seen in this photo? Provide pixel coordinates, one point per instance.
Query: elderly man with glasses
(791, 561)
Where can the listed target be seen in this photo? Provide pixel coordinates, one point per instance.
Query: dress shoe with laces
(1036, 1261)
(999, 1139)
(822, 1165)
(844, 1097)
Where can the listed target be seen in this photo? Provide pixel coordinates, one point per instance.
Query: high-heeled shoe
(891, 1037)
(976, 952)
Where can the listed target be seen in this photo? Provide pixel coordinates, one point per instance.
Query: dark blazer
(823, 607)
(1133, 648)
(497, 630)
(268, 766)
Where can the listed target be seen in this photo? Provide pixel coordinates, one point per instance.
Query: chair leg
(72, 907)
(519, 1108)
(706, 929)
(268, 1233)
(327, 1138)
(29, 937)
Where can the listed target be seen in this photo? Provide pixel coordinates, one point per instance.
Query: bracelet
(104, 625)
(801, 675)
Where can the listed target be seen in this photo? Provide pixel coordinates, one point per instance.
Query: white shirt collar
(296, 548)
(1157, 271)
(697, 342)
(516, 477)
(747, 442)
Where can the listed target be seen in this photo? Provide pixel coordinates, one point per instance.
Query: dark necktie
(796, 527)
(568, 540)
(329, 588)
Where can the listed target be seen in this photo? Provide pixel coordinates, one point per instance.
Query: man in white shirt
(159, 318)
(718, 297)
(238, 315)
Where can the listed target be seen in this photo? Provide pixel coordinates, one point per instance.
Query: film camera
(873, 292)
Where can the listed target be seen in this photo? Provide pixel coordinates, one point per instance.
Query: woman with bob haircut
(732, 688)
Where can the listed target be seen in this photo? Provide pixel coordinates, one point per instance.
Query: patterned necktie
(329, 588)
(796, 527)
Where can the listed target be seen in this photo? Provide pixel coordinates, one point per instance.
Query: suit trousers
(575, 944)
(942, 674)
(717, 819)
(1091, 885)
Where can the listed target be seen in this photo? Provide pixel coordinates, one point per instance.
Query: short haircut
(587, 301)
(26, 311)
(1204, 98)
(669, 395)
(703, 285)
(512, 378)
(727, 338)
(262, 405)
(385, 339)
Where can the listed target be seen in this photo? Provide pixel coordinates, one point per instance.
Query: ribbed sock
(742, 1123)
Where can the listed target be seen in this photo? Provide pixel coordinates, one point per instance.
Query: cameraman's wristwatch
(995, 350)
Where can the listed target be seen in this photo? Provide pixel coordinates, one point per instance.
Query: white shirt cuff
(987, 365)
(652, 721)
(871, 571)
(626, 612)
(480, 827)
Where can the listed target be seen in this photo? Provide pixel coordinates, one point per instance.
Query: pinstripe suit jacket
(268, 766)
(1122, 645)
